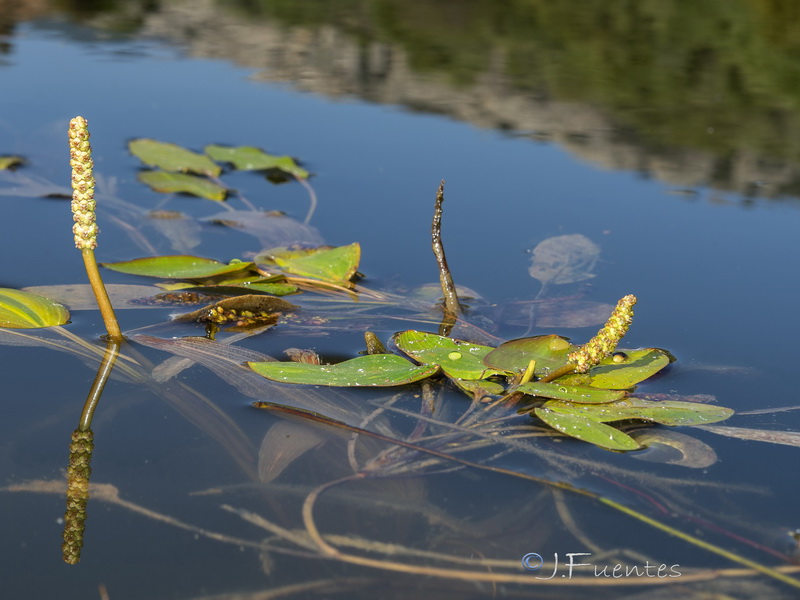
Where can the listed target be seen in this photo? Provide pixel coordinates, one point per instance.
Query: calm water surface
(689, 191)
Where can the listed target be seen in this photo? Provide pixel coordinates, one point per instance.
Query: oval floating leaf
(637, 366)
(334, 265)
(179, 266)
(459, 360)
(183, 183)
(671, 413)
(274, 289)
(374, 370)
(549, 352)
(249, 158)
(24, 310)
(172, 157)
(248, 284)
(564, 259)
(571, 393)
(588, 430)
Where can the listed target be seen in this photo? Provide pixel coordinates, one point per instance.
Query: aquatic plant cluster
(544, 383)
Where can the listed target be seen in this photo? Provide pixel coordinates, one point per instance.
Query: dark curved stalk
(452, 307)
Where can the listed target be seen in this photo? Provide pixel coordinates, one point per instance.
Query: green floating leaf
(171, 157)
(24, 310)
(177, 286)
(249, 158)
(247, 285)
(7, 162)
(588, 430)
(638, 365)
(177, 267)
(670, 412)
(376, 370)
(572, 393)
(174, 183)
(459, 360)
(335, 265)
(274, 289)
(549, 352)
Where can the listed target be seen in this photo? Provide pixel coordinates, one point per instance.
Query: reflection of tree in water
(693, 93)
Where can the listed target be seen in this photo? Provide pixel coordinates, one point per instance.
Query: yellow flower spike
(606, 340)
(83, 204)
(83, 213)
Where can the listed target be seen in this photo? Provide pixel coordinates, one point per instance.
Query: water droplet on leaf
(557, 344)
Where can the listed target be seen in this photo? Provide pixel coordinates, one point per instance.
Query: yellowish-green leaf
(636, 366)
(372, 370)
(333, 265)
(249, 158)
(24, 310)
(275, 285)
(177, 267)
(276, 289)
(670, 412)
(459, 360)
(588, 430)
(172, 157)
(572, 393)
(184, 183)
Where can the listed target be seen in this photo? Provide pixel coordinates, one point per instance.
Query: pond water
(666, 135)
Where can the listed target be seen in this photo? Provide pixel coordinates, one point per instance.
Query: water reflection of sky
(717, 283)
